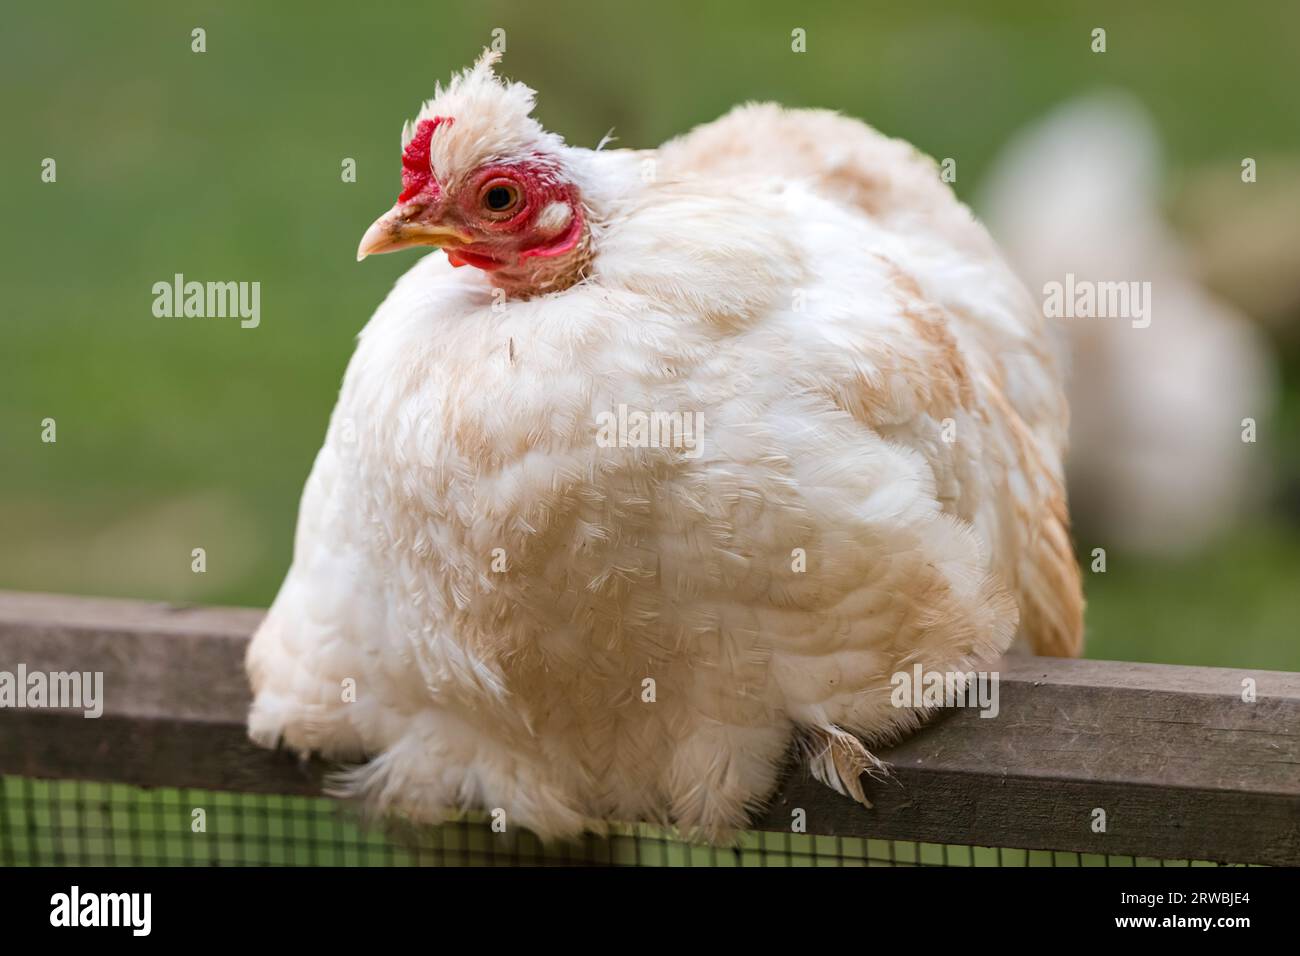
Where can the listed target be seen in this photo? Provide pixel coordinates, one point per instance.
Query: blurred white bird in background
(1157, 464)
(499, 608)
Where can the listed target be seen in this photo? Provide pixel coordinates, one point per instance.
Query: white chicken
(500, 603)
(1157, 463)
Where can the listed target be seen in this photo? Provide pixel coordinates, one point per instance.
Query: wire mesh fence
(77, 823)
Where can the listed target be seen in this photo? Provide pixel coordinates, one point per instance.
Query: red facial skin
(500, 239)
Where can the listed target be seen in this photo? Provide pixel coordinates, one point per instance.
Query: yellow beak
(397, 229)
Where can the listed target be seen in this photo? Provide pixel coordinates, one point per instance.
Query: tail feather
(1051, 589)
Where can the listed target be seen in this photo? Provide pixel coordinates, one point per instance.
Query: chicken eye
(500, 197)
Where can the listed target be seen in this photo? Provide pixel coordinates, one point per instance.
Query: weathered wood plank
(1179, 763)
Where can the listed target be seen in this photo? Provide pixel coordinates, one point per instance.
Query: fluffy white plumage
(814, 292)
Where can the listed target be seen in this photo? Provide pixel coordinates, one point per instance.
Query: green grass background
(175, 434)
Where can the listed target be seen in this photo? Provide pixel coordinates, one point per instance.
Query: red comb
(416, 173)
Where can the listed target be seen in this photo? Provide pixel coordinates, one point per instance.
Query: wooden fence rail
(1180, 763)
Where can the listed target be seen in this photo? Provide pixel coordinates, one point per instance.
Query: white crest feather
(491, 121)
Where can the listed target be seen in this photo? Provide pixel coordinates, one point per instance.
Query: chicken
(498, 601)
(1157, 463)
